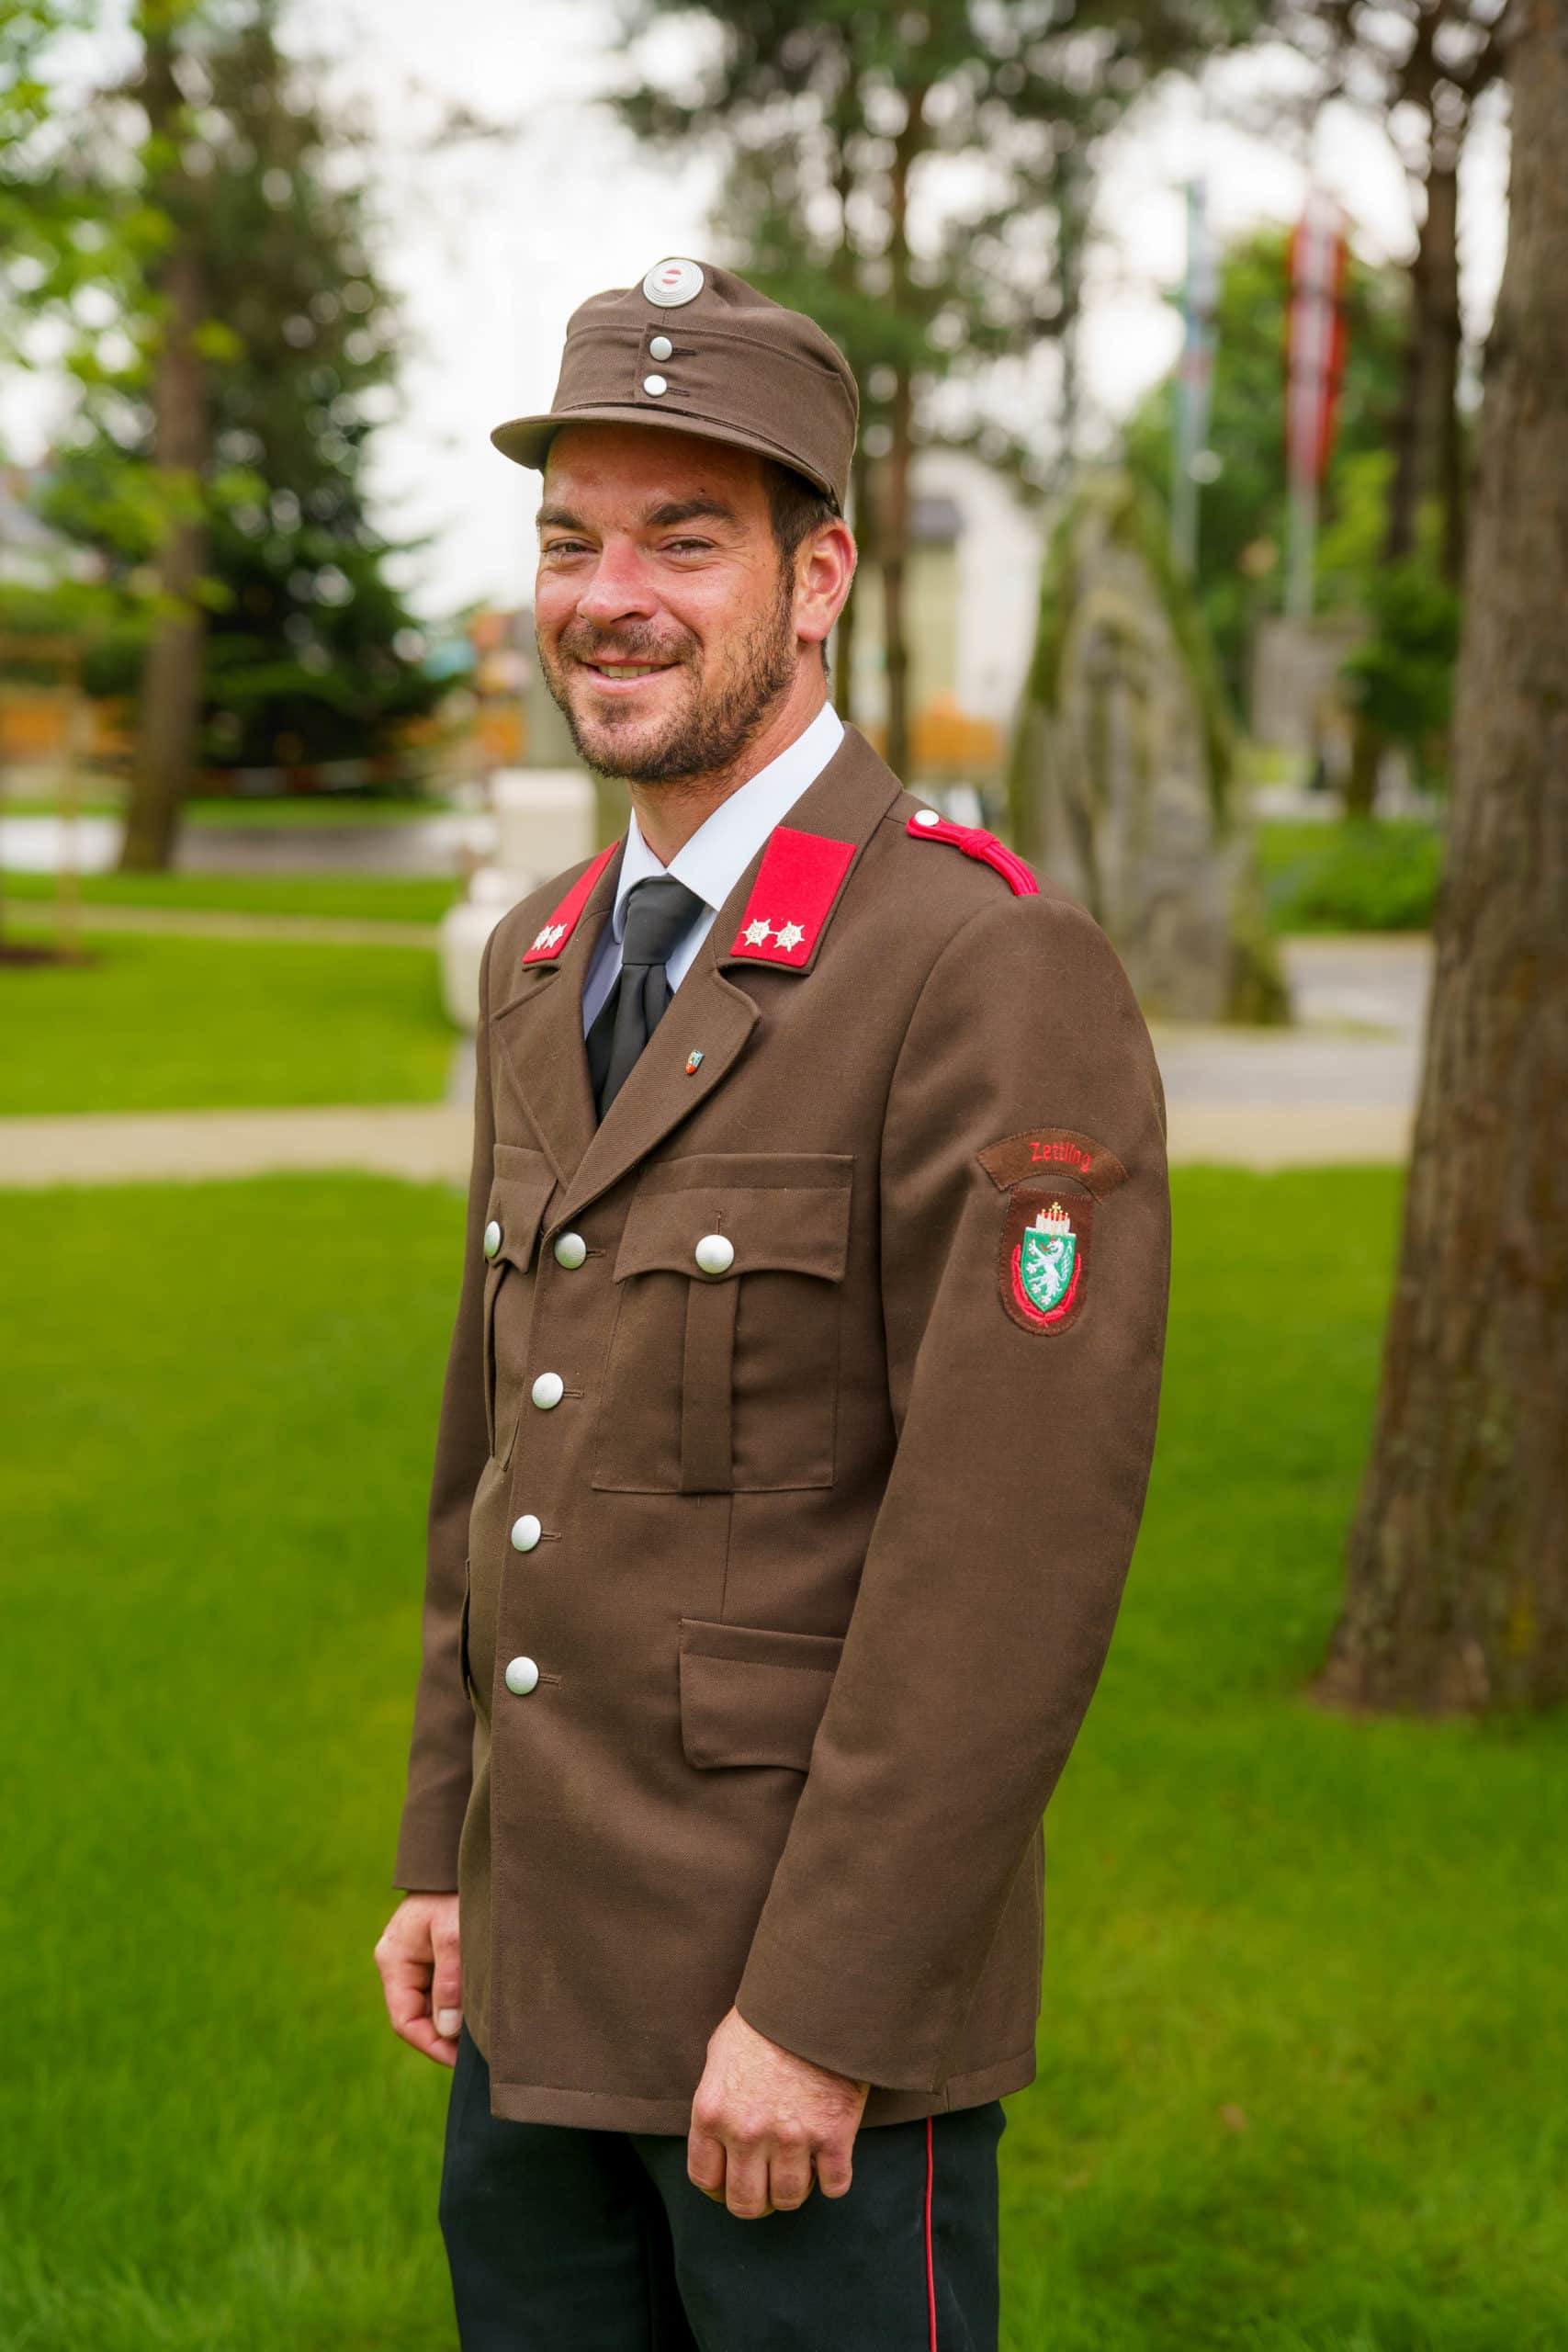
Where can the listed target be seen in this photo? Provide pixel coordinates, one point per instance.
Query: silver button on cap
(570, 1250)
(655, 384)
(715, 1253)
(493, 1238)
(522, 1675)
(661, 347)
(548, 1390)
(525, 1532)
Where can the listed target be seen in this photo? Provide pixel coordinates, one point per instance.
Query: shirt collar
(724, 844)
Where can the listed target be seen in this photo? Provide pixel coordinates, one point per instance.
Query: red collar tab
(796, 887)
(548, 943)
(975, 841)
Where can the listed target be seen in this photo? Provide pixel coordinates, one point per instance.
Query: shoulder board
(552, 938)
(796, 886)
(925, 825)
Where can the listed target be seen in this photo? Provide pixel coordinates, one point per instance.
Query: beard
(705, 737)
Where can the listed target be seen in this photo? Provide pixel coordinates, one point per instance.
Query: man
(794, 1436)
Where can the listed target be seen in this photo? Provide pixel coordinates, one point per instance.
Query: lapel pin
(693, 1064)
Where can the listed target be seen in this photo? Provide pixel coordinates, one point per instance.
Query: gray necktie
(660, 913)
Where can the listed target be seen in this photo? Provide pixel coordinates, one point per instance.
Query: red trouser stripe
(931, 2272)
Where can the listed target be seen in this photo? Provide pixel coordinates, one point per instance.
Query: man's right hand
(421, 1976)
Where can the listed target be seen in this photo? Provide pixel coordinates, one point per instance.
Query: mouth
(624, 677)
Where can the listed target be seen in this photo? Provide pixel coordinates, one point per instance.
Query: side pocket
(463, 1636)
(751, 1695)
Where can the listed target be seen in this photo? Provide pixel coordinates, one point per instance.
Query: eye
(564, 547)
(687, 547)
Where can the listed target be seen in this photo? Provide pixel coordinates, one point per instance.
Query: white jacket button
(548, 1390)
(525, 1532)
(522, 1675)
(715, 1253)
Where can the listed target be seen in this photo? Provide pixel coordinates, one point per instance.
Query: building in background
(973, 588)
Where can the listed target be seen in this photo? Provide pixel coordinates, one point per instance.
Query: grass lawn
(1303, 2042)
(159, 1022)
(371, 898)
(1376, 873)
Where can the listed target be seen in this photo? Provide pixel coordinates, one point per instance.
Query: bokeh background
(1212, 502)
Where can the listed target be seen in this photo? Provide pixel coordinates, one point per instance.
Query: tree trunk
(1426, 437)
(1367, 747)
(893, 537)
(169, 712)
(1457, 1558)
(893, 521)
(865, 537)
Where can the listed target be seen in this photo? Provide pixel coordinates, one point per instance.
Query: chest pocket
(520, 1187)
(723, 1375)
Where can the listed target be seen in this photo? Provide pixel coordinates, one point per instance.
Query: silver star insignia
(755, 933)
(790, 935)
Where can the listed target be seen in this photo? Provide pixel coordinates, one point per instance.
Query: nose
(619, 589)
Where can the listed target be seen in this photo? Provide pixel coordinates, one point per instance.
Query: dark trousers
(567, 2240)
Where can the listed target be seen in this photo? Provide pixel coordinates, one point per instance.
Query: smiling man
(795, 1438)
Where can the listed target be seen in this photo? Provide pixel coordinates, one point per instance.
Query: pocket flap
(752, 1696)
(519, 1190)
(788, 1212)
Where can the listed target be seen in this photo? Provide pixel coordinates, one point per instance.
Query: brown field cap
(696, 349)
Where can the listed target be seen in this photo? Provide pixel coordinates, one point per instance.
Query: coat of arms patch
(1045, 1256)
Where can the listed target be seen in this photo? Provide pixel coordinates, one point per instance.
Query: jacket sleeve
(441, 1752)
(996, 1565)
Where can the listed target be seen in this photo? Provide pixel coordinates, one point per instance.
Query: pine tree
(221, 467)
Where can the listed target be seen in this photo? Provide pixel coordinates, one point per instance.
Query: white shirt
(716, 857)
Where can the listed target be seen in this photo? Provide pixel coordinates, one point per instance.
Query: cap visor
(526, 439)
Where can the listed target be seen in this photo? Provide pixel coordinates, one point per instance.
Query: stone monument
(1121, 782)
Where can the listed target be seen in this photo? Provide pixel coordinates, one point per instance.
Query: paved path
(436, 845)
(1338, 1091)
(429, 1143)
(425, 1141)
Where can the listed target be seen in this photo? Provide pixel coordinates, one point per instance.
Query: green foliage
(818, 112)
(1303, 2038)
(307, 655)
(1365, 874)
(1242, 513)
(1403, 677)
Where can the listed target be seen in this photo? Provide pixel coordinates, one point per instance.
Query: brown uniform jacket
(825, 1547)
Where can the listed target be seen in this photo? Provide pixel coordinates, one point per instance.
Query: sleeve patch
(1042, 1266)
(1039, 1153)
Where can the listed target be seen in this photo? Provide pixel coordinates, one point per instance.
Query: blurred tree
(1420, 68)
(919, 180)
(1457, 1558)
(227, 395)
(1243, 512)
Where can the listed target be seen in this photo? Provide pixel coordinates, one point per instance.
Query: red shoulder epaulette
(549, 942)
(796, 886)
(925, 825)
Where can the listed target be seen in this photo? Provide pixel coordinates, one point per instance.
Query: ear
(824, 569)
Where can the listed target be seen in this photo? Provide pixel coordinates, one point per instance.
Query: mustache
(582, 645)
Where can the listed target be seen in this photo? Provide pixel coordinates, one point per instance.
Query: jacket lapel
(709, 1015)
(537, 1028)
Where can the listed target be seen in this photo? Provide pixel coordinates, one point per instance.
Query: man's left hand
(763, 2119)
